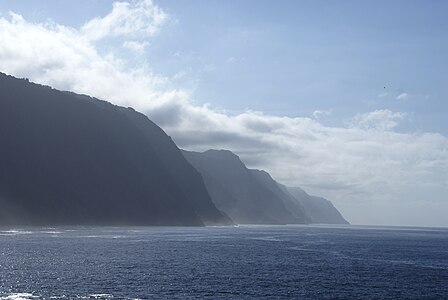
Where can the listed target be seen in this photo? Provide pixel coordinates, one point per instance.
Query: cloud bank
(373, 173)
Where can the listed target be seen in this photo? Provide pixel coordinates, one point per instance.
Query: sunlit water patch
(245, 262)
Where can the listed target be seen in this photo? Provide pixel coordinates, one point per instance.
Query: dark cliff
(253, 197)
(238, 192)
(72, 159)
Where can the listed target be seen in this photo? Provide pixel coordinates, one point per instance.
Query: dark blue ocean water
(284, 262)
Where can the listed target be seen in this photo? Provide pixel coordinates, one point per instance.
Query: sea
(245, 262)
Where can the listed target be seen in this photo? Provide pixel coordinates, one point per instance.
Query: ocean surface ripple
(246, 262)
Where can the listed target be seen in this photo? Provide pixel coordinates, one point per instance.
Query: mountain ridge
(73, 159)
(69, 158)
(251, 196)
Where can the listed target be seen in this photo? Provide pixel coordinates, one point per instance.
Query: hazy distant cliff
(236, 191)
(254, 197)
(319, 209)
(72, 159)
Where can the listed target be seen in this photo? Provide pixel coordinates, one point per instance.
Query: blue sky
(346, 99)
(294, 57)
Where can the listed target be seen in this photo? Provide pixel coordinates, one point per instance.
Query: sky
(346, 99)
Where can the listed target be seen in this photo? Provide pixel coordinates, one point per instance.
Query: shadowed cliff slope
(320, 210)
(72, 159)
(238, 192)
(254, 197)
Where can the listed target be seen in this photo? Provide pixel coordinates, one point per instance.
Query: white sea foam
(108, 236)
(14, 232)
(29, 296)
(268, 238)
(52, 232)
(19, 296)
(101, 296)
(301, 249)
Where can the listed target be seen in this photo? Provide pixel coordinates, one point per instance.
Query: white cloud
(136, 47)
(317, 114)
(141, 18)
(402, 96)
(357, 166)
(382, 119)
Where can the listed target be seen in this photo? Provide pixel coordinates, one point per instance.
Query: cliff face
(72, 159)
(239, 192)
(319, 209)
(254, 197)
(294, 206)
